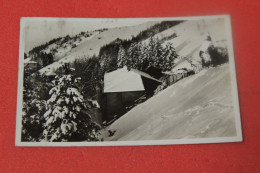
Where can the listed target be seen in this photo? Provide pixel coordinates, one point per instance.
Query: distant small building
(183, 68)
(123, 86)
(28, 63)
(183, 63)
(50, 74)
(188, 64)
(172, 77)
(197, 66)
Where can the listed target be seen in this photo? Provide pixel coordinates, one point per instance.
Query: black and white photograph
(127, 81)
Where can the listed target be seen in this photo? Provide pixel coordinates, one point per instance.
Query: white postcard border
(237, 138)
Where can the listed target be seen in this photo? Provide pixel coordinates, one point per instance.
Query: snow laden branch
(66, 117)
(141, 55)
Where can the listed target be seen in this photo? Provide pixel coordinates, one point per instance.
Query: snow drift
(199, 106)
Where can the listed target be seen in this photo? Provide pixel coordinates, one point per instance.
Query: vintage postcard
(132, 81)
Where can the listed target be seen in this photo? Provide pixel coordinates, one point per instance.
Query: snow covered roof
(29, 61)
(50, 73)
(180, 71)
(167, 72)
(144, 74)
(122, 80)
(181, 64)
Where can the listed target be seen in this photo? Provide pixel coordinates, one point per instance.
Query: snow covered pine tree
(65, 117)
(122, 57)
(169, 56)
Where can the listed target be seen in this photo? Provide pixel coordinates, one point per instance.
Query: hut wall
(113, 103)
(150, 85)
(171, 79)
(116, 101)
(178, 76)
(130, 97)
(31, 65)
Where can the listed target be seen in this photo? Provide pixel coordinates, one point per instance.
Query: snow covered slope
(92, 45)
(191, 36)
(198, 106)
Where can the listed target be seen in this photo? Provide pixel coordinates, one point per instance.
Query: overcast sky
(38, 31)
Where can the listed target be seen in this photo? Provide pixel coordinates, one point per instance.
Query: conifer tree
(155, 52)
(169, 56)
(151, 50)
(144, 56)
(158, 51)
(35, 94)
(122, 57)
(66, 118)
(133, 55)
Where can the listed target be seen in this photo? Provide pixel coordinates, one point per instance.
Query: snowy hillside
(188, 42)
(191, 36)
(67, 46)
(198, 106)
(92, 45)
